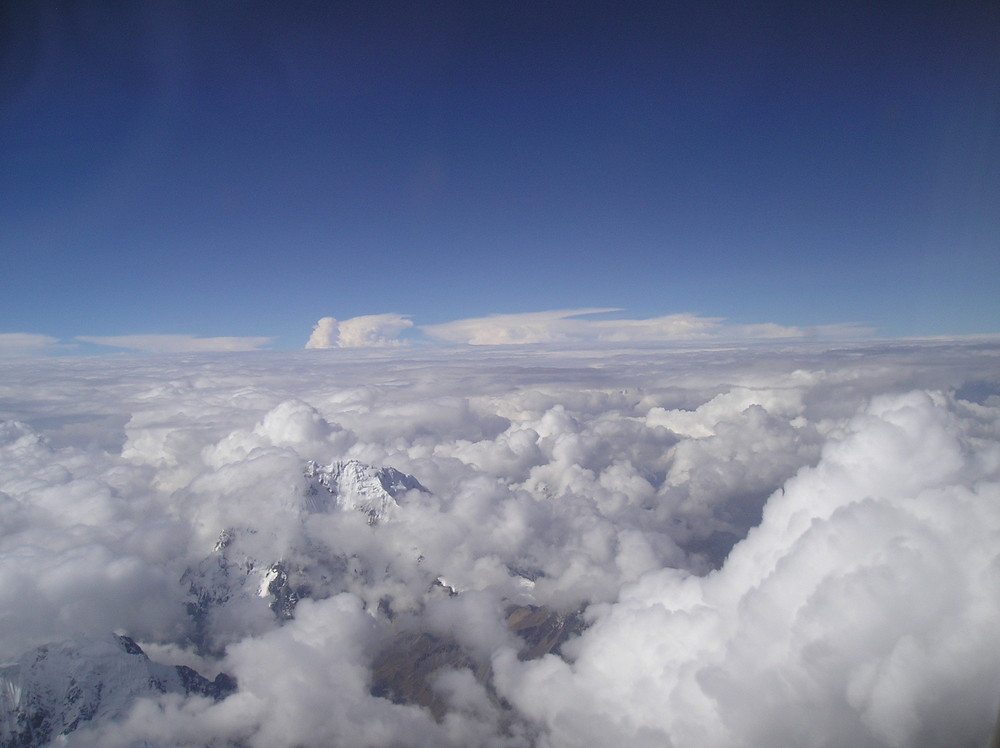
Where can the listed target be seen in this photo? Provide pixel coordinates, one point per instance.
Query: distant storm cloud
(366, 331)
(324, 334)
(177, 343)
(572, 326)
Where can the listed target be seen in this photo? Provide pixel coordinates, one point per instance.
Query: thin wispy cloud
(177, 343)
(573, 326)
(27, 344)
(557, 326)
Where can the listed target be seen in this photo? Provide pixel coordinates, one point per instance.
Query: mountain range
(51, 690)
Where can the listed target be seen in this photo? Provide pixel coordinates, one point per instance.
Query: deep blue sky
(244, 168)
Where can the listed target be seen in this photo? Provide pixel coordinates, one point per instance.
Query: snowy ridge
(49, 691)
(240, 580)
(245, 575)
(365, 488)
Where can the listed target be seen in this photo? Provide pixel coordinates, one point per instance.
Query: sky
(789, 545)
(229, 174)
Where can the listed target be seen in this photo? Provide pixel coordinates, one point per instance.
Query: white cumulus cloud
(366, 331)
(784, 545)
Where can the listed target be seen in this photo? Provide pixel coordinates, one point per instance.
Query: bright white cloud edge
(365, 331)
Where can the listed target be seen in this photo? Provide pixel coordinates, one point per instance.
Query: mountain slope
(49, 691)
(248, 571)
(355, 485)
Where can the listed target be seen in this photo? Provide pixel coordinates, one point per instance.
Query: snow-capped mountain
(244, 575)
(355, 485)
(240, 587)
(51, 690)
(239, 590)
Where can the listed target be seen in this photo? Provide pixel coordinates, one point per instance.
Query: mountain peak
(355, 485)
(245, 570)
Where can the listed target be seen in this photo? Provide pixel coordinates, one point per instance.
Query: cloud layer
(561, 327)
(794, 546)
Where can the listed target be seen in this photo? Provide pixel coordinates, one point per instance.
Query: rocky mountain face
(542, 629)
(404, 671)
(51, 690)
(239, 575)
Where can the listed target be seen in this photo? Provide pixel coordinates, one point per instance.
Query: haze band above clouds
(559, 327)
(23, 343)
(13, 345)
(176, 343)
(569, 326)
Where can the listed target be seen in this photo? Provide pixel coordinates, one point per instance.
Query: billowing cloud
(787, 545)
(176, 343)
(372, 330)
(856, 601)
(572, 326)
(366, 331)
(324, 334)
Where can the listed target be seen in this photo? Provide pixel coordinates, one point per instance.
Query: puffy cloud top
(367, 331)
(794, 546)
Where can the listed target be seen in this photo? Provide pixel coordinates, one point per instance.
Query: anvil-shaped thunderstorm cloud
(740, 547)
